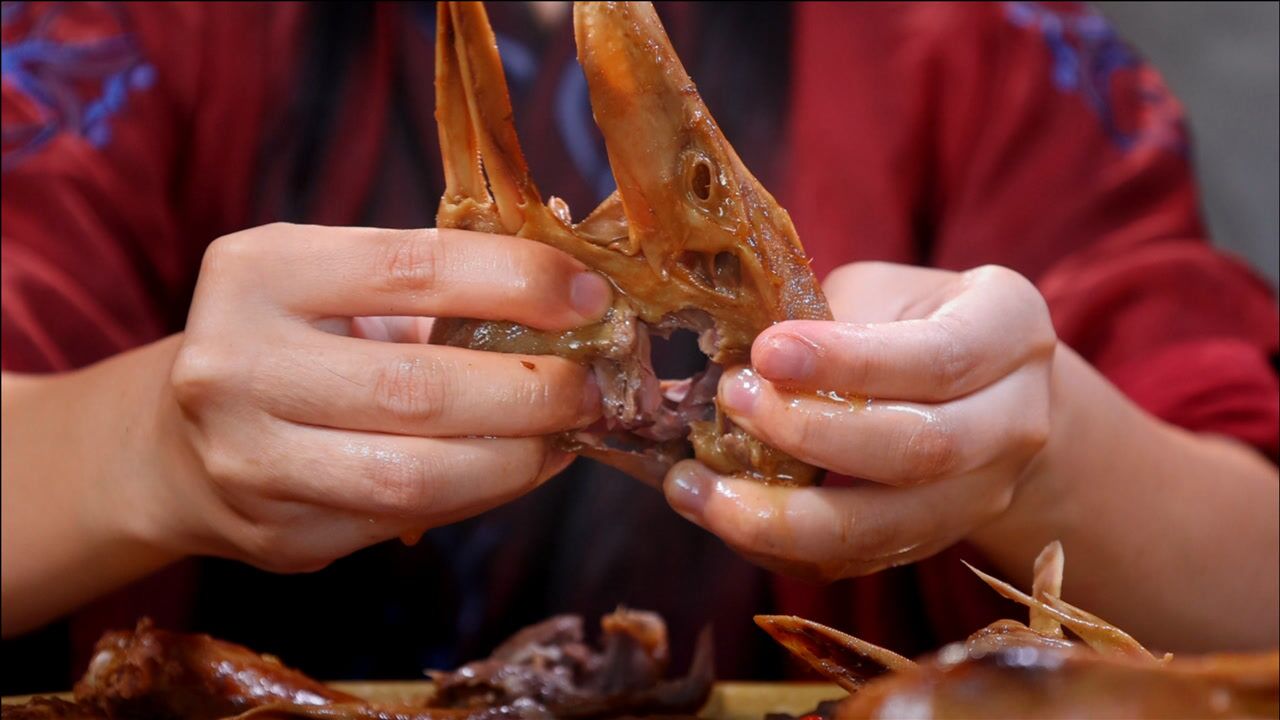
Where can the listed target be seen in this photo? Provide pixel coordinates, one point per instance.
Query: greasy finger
(832, 533)
(995, 322)
(352, 272)
(427, 480)
(426, 390)
(891, 441)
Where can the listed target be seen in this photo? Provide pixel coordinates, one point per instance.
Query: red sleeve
(129, 131)
(1083, 178)
(1029, 135)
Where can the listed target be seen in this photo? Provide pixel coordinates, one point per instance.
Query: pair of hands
(298, 439)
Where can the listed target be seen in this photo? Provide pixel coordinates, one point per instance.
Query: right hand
(300, 437)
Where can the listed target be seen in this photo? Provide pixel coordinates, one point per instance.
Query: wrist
(132, 501)
(80, 515)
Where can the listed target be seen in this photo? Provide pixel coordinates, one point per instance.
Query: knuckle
(240, 478)
(540, 399)
(274, 548)
(1033, 433)
(538, 276)
(996, 274)
(853, 535)
(1045, 342)
(930, 453)
(412, 390)
(538, 458)
(999, 500)
(264, 546)
(239, 249)
(245, 466)
(858, 367)
(749, 531)
(862, 537)
(1044, 339)
(199, 372)
(1025, 295)
(957, 360)
(411, 261)
(800, 430)
(226, 470)
(401, 484)
(873, 541)
(556, 399)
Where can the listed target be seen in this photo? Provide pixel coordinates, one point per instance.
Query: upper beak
(643, 100)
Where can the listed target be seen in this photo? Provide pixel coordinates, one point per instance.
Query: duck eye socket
(700, 183)
(699, 177)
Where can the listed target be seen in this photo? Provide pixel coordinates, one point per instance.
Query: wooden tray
(729, 700)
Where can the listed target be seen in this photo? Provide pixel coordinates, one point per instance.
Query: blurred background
(1220, 59)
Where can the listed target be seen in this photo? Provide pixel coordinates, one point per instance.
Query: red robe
(945, 135)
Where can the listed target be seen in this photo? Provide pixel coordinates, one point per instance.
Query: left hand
(958, 369)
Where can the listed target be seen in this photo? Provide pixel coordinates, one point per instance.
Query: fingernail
(589, 294)
(787, 357)
(740, 392)
(590, 408)
(688, 489)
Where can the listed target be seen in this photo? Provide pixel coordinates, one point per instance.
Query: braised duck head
(690, 240)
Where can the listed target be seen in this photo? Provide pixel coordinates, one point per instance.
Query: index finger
(352, 272)
(990, 323)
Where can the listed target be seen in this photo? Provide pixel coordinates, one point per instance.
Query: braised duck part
(549, 671)
(50, 708)
(549, 666)
(151, 673)
(58, 709)
(842, 659)
(690, 240)
(1034, 682)
(544, 671)
(1012, 670)
(365, 711)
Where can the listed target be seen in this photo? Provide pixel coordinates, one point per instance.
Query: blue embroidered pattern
(1090, 59)
(72, 86)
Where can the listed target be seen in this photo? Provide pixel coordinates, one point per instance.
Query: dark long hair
(296, 143)
(742, 68)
